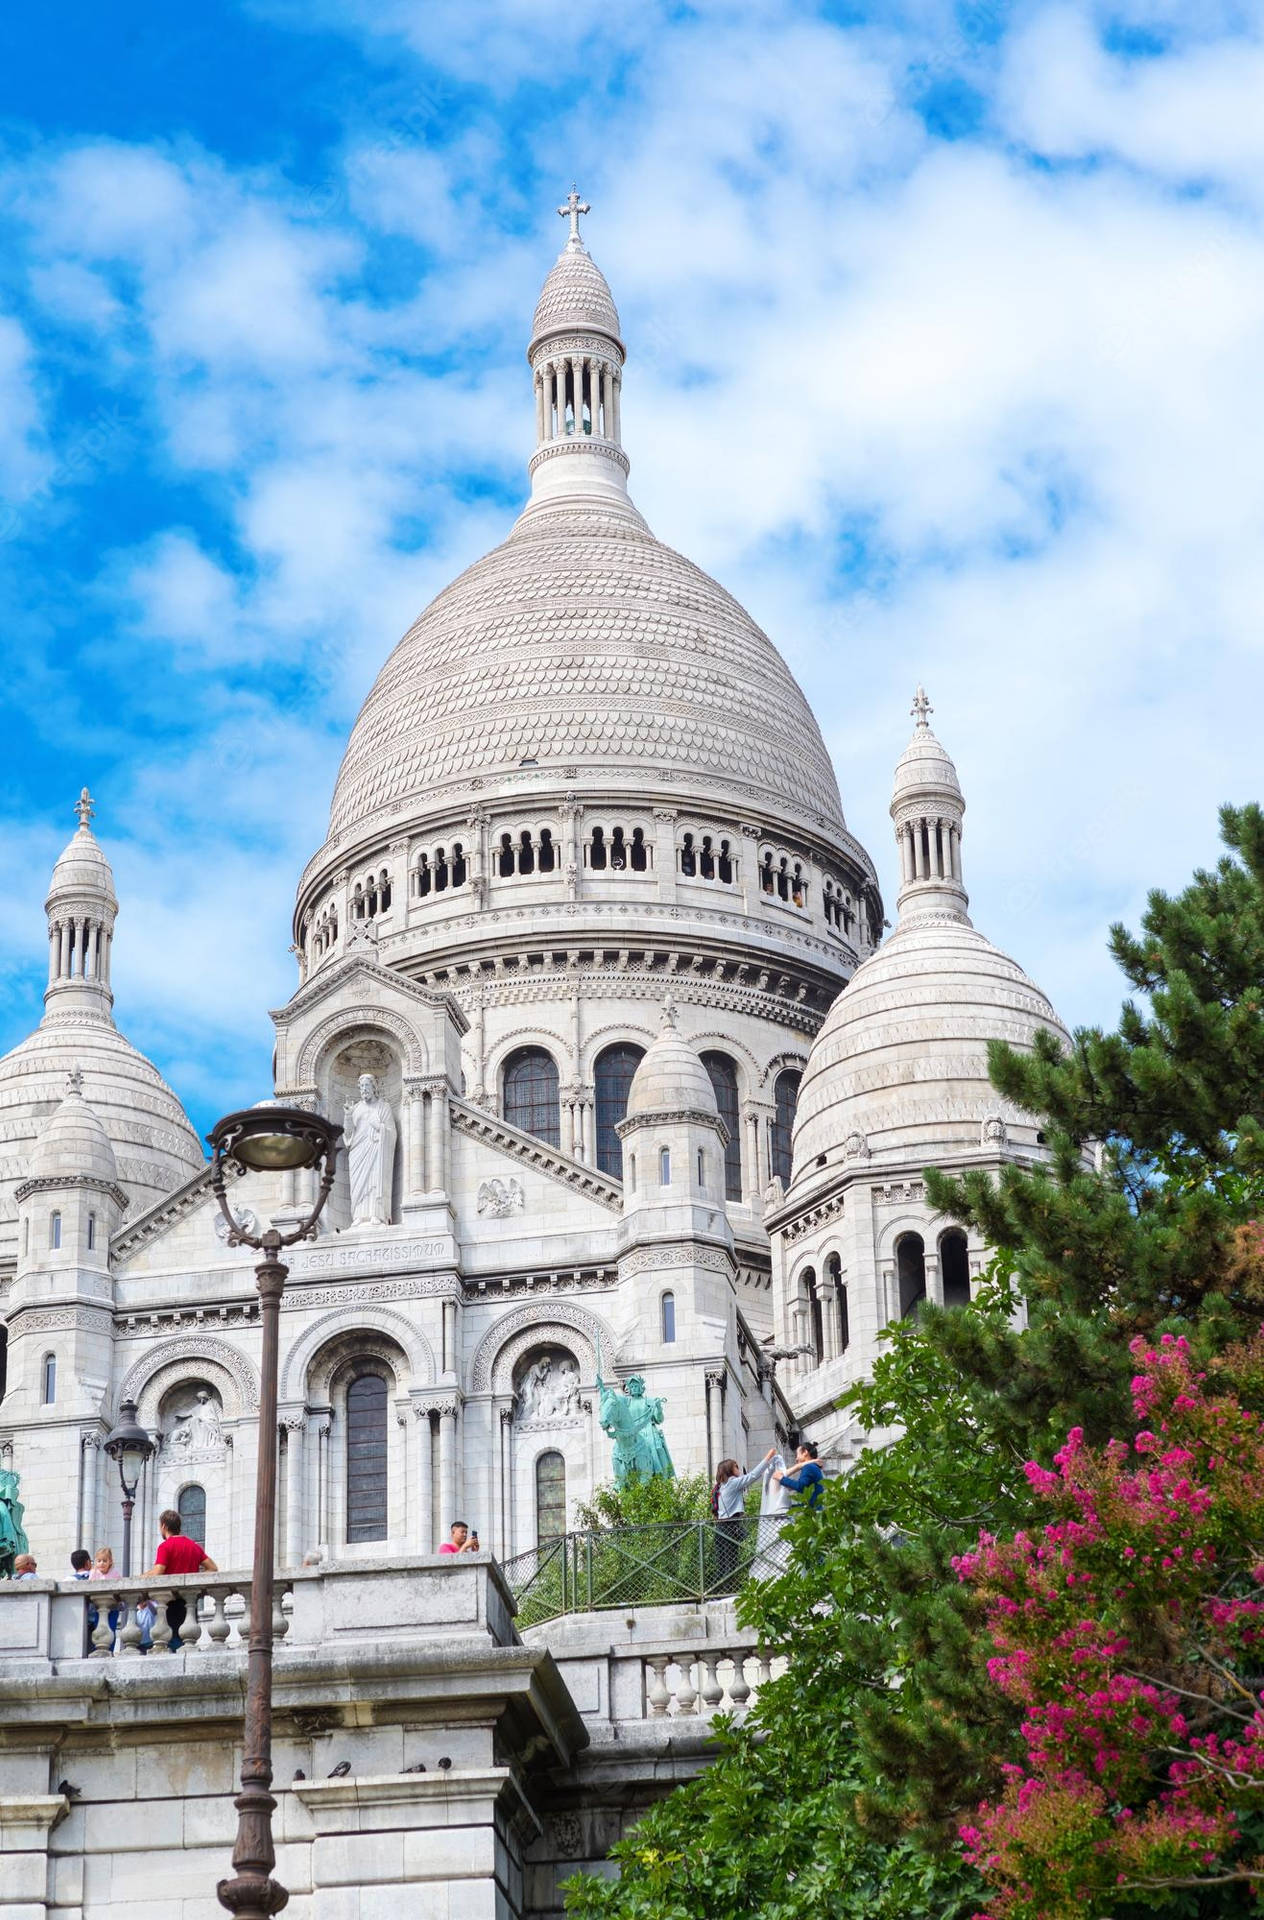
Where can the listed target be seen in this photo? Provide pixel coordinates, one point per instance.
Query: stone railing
(341, 1603)
(133, 1616)
(716, 1680)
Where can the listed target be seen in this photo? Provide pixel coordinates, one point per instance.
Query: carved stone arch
(231, 1370)
(347, 1023)
(542, 1037)
(721, 1040)
(813, 1261)
(297, 1364)
(789, 1062)
(343, 1355)
(618, 1032)
(922, 1224)
(504, 1344)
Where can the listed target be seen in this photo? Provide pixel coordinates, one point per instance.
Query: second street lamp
(265, 1139)
(129, 1446)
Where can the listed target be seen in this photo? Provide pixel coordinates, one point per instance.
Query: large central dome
(582, 642)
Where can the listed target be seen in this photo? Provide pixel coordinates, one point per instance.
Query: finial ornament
(669, 1014)
(571, 211)
(84, 807)
(921, 708)
(74, 1079)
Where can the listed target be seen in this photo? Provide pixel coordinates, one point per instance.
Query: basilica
(635, 1081)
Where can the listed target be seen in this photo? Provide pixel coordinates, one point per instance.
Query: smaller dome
(82, 866)
(925, 763)
(671, 1078)
(575, 296)
(74, 1144)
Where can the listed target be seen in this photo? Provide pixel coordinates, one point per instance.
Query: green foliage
(642, 1502)
(842, 1792)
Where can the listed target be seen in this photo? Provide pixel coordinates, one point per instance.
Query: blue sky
(944, 329)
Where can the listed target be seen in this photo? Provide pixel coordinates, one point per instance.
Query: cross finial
(571, 211)
(84, 808)
(74, 1080)
(669, 1013)
(921, 708)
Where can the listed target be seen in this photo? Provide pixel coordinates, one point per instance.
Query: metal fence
(639, 1566)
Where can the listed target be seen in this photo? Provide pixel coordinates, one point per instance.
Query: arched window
(92, 1231)
(954, 1267)
(639, 855)
(910, 1270)
(785, 1100)
(702, 1170)
(669, 1318)
(723, 1076)
(366, 1458)
(548, 853)
(613, 1075)
(526, 853)
(54, 1230)
(48, 1379)
(597, 850)
(191, 1507)
(550, 1498)
(531, 1094)
(664, 1166)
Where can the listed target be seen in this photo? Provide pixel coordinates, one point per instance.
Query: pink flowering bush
(1129, 1634)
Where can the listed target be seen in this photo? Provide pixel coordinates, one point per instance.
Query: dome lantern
(81, 908)
(576, 358)
(927, 808)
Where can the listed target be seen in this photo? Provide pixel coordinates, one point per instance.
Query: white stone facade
(584, 788)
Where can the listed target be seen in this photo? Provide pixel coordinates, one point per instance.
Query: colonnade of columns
(930, 849)
(79, 949)
(581, 378)
(432, 1478)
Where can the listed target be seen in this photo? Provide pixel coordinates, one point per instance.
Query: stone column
(90, 1447)
(324, 1526)
(425, 1481)
(437, 1137)
(588, 1123)
(539, 408)
(505, 1547)
(829, 1318)
(618, 409)
(414, 1142)
(665, 851)
(715, 1419)
(449, 1337)
(447, 1467)
(295, 1426)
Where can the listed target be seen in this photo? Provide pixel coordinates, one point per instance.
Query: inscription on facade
(369, 1259)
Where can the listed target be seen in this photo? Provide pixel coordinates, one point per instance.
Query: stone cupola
(927, 809)
(81, 908)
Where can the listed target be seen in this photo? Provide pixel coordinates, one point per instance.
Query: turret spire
(571, 211)
(576, 359)
(927, 808)
(81, 908)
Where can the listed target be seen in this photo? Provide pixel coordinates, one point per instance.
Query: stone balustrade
(217, 1616)
(715, 1680)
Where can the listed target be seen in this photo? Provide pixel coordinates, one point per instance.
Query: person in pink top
(462, 1541)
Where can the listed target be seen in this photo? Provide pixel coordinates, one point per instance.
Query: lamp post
(129, 1446)
(265, 1139)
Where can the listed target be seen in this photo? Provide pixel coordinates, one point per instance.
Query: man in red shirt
(178, 1554)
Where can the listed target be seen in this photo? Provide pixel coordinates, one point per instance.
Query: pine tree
(840, 1797)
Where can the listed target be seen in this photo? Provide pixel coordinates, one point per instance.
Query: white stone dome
(671, 1079)
(74, 1144)
(574, 296)
(899, 1072)
(145, 1127)
(584, 644)
(899, 1069)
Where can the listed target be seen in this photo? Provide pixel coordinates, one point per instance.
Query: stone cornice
(60, 1182)
(339, 972)
(533, 1153)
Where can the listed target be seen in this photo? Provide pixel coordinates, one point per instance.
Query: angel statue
(13, 1540)
(633, 1419)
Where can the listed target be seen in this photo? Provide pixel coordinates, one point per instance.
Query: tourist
(81, 1564)
(24, 1567)
(728, 1497)
(808, 1478)
(103, 1569)
(462, 1541)
(176, 1555)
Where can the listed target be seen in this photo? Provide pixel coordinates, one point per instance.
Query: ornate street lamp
(265, 1139)
(129, 1446)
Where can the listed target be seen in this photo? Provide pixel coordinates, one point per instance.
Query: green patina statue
(633, 1419)
(13, 1540)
